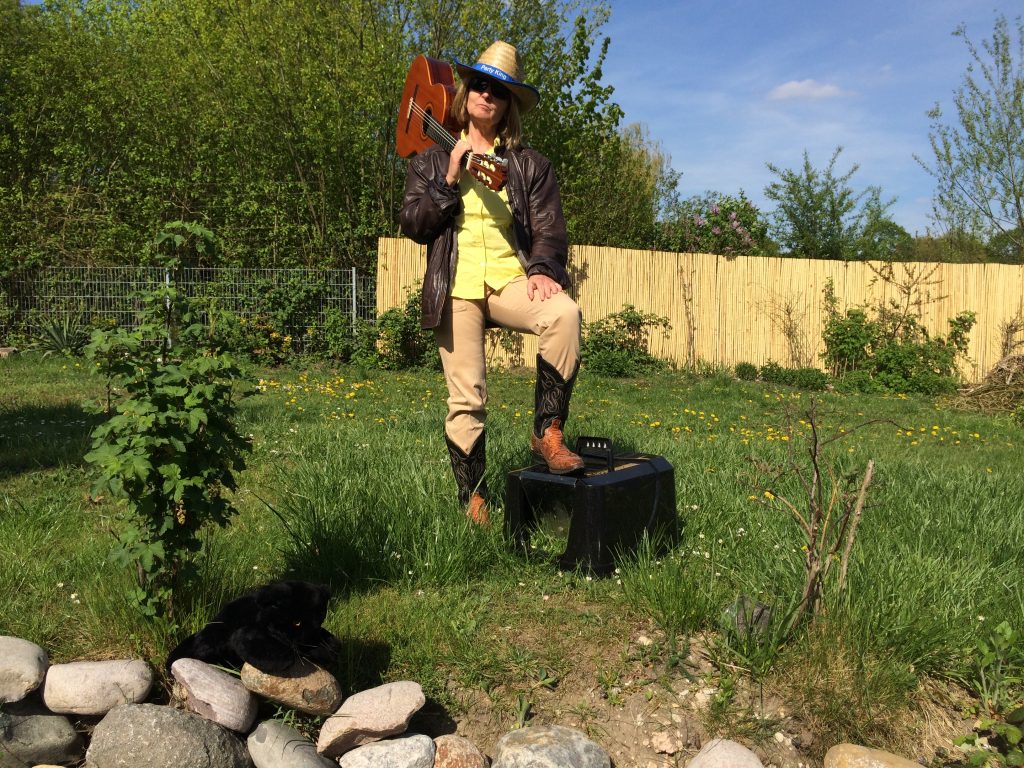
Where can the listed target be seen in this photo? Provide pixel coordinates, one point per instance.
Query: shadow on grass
(43, 437)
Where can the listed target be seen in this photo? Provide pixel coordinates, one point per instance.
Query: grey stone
(369, 716)
(95, 687)
(415, 751)
(22, 668)
(39, 737)
(456, 752)
(305, 687)
(152, 736)
(215, 695)
(723, 753)
(277, 745)
(548, 746)
(853, 756)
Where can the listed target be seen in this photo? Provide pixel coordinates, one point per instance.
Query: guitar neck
(439, 135)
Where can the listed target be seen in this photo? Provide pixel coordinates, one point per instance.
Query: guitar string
(432, 126)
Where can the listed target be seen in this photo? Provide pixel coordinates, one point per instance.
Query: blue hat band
(487, 69)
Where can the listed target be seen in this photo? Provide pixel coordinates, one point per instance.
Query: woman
(494, 258)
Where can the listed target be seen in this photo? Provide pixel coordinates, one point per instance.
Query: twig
(851, 534)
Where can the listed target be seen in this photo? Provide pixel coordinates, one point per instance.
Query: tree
(272, 122)
(1006, 247)
(819, 216)
(979, 158)
(881, 238)
(953, 247)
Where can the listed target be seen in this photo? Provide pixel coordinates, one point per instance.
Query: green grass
(349, 483)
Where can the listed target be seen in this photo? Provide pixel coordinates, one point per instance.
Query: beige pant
(460, 340)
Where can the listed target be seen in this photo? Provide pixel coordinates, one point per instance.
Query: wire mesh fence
(106, 296)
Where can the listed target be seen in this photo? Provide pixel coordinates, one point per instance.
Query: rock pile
(367, 730)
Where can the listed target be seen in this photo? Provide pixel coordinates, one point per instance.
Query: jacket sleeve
(549, 250)
(429, 203)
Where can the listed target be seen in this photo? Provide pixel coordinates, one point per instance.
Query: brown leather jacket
(430, 207)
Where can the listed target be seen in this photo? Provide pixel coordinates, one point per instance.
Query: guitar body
(430, 85)
(424, 119)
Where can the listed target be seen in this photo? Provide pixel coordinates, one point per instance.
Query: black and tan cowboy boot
(551, 409)
(468, 469)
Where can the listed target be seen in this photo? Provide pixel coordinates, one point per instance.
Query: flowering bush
(717, 223)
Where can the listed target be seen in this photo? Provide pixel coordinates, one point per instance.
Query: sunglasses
(483, 85)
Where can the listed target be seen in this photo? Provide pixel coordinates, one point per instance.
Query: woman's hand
(456, 161)
(543, 286)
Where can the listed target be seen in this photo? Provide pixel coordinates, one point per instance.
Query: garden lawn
(348, 483)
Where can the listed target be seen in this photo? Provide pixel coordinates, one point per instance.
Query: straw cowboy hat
(502, 64)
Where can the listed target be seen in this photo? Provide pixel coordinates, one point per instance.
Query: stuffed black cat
(271, 628)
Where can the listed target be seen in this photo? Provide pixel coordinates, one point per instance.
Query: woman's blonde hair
(510, 129)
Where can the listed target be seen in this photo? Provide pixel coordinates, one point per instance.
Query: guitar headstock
(490, 170)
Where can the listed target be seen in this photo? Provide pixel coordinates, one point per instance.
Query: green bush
(746, 371)
(773, 373)
(808, 378)
(397, 341)
(857, 381)
(170, 446)
(848, 341)
(619, 344)
(801, 378)
(892, 351)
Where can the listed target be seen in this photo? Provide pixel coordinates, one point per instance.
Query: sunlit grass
(348, 483)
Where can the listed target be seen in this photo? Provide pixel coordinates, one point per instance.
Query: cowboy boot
(551, 409)
(468, 469)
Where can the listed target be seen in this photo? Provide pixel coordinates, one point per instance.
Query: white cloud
(804, 90)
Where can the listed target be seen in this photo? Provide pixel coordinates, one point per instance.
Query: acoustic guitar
(424, 119)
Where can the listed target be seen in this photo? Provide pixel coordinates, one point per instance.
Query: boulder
(415, 751)
(853, 756)
(96, 687)
(152, 736)
(723, 753)
(456, 752)
(37, 736)
(369, 716)
(548, 746)
(305, 687)
(22, 668)
(275, 744)
(214, 694)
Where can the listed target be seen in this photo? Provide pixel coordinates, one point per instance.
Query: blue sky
(729, 85)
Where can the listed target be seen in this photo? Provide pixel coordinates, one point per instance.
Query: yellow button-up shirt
(487, 258)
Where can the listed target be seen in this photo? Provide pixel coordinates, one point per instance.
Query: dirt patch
(617, 679)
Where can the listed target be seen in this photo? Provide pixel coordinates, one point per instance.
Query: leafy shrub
(1018, 415)
(773, 373)
(619, 344)
(746, 371)
(170, 447)
(808, 378)
(848, 341)
(801, 378)
(397, 341)
(892, 351)
(857, 381)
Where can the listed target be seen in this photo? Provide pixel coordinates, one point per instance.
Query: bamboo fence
(753, 308)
